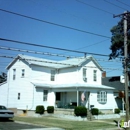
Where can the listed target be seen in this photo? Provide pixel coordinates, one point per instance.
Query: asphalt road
(15, 125)
(12, 125)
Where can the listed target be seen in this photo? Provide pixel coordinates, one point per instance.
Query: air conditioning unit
(85, 79)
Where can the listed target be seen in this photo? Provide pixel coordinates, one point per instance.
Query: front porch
(69, 100)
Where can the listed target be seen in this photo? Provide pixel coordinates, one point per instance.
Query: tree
(3, 77)
(117, 39)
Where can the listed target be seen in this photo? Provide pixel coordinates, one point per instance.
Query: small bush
(95, 111)
(117, 111)
(40, 109)
(50, 109)
(80, 111)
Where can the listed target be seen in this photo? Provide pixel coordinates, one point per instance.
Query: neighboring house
(116, 82)
(36, 81)
(3, 93)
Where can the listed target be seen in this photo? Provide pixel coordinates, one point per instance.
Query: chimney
(103, 74)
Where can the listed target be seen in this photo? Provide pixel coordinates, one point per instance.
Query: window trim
(19, 96)
(94, 75)
(14, 74)
(102, 97)
(45, 94)
(53, 73)
(23, 73)
(84, 74)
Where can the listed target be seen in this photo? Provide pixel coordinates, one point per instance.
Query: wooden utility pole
(125, 63)
(126, 67)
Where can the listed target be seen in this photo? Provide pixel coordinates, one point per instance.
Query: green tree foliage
(3, 77)
(117, 39)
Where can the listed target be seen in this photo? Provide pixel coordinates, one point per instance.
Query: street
(12, 125)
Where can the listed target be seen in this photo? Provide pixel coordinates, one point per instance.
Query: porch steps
(90, 117)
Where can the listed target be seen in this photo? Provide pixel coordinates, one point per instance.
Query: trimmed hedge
(50, 109)
(80, 111)
(40, 109)
(117, 110)
(95, 111)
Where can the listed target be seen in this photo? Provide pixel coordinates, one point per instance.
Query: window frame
(94, 75)
(102, 97)
(84, 73)
(19, 96)
(23, 73)
(53, 73)
(45, 94)
(14, 74)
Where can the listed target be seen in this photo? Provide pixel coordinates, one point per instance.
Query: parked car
(5, 113)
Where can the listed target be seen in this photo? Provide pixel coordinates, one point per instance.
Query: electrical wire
(55, 24)
(94, 7)
(53, 62)
(123, 3)
(48, 53)
(39, 45)
(115, 5)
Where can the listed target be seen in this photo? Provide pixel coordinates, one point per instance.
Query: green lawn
(68, 124)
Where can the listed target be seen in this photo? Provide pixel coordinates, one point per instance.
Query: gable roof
(72, 62)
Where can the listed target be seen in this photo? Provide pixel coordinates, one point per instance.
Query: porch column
(77, 97)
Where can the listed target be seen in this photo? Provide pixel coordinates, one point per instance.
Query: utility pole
(125, 64)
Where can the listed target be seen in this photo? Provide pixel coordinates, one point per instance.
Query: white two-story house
(76, 81)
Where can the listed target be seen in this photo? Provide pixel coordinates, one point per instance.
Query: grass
(68, 124)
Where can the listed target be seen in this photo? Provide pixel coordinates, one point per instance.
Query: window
(23, 72)
(18, 96)
(85, 74)
(102, 97)
(45, 93)
(94, 75)
(52, 75)
(14, 74)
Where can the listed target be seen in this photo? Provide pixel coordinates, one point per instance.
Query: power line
(114, 5)
(94, 7)
(53, 62)
(64, 12)
(39, 45)
(55, 24)
(123, 3)
(50, 54)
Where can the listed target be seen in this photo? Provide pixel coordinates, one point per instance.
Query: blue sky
(95, 16)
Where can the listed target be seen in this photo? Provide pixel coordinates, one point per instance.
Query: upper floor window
(85, 74)
(94, 75)
(102, 97)
(52, 75)
(18, 96)
(14, 74)
(23, 72)
(45, 94)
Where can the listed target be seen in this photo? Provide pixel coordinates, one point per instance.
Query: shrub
(117, 111)
(80, 111)
(50, 109)
(40, 109)
(95, 111)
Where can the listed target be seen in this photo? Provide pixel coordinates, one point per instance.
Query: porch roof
(72, 85)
